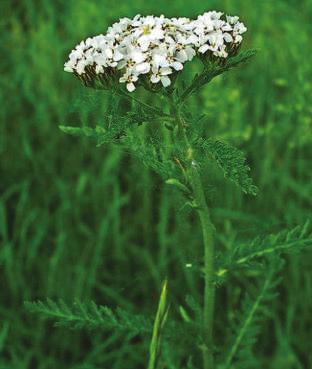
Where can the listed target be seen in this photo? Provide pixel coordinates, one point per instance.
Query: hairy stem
(208, 239)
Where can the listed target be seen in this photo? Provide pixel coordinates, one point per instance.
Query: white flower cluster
(153, 48)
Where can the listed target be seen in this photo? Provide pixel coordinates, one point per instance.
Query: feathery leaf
(286, 241)
(246, 326)
(231, 161)
(90, 316)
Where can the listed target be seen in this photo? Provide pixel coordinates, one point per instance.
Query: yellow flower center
(146, 30)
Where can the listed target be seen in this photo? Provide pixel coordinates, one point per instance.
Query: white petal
(109, 53)
(157, 34)
(155, 69)
(143, 68)
(100, 59)
(227, 28)
(138, 57)
(238, 39)
(177, 65)
(169, 40)
(68, 68)
(203, 49)
(190, 53)
(165, 81)
(232, 20)
(112, 64)
(121, 64)
(80, 67)
(160, 60)
(99, 69)
(130, 87)
(227, 37)
(240, 28)
(192, 39)
(117, 55)
(182, 56)
(155, 78)
(165, 71)
(144, 43)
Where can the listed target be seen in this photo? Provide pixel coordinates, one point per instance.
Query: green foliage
(90, 316)
(124, 132)
(75, 224)
(98, 133)
(286, 241)
(231, 161)
(176, 183)
(159, 323)
(141, 109)
(212, 70)
(247, 325)
(151, 153)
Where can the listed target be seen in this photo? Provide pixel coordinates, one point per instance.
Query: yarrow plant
(151, 52)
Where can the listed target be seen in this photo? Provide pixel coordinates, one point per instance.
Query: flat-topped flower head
(153, 47)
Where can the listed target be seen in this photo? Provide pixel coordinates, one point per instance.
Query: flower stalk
(200, 204)
(207, 231)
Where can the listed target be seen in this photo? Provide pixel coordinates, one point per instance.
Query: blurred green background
(78, 221)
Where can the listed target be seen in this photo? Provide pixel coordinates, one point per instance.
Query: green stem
(208, 240)
(209, 292)
(157, 111)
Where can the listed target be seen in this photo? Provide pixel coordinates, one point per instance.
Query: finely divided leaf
(231, 161)
(90, 316)
(286, 241)
(247, 325)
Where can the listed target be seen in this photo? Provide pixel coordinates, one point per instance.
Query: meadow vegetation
(81, 223)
